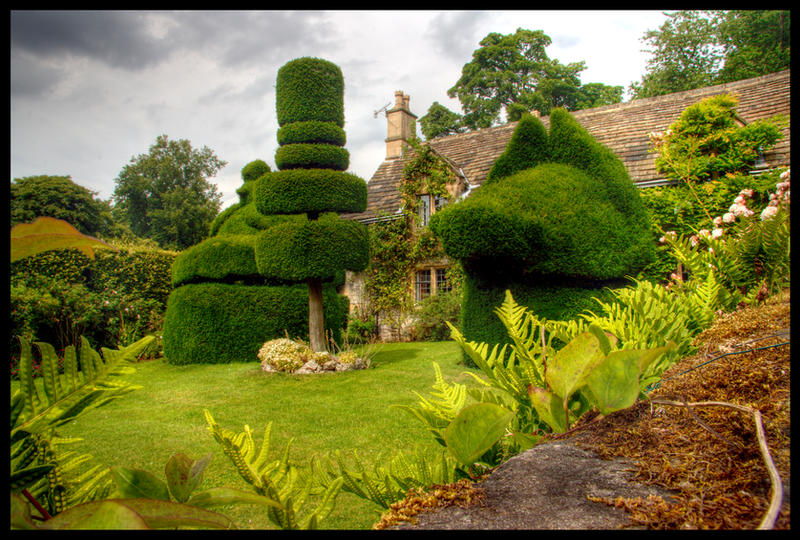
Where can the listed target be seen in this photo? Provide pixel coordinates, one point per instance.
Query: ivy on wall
(399, 245)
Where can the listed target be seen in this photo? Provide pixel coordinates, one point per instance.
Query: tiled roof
(622, 127)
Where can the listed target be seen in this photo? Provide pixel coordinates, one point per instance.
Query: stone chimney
(401, 125)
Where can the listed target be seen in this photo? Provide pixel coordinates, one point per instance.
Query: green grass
(322, 413)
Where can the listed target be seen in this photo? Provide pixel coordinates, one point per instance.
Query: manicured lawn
(323, 413)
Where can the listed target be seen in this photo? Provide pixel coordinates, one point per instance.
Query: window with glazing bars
(422, 284)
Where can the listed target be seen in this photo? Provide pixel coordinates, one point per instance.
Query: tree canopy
(693, 49)
(515, 69)
(61, 198)
(166, 195)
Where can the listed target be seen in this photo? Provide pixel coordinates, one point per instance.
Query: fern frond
(62, 402)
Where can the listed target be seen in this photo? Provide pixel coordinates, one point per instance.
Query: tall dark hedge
(214, 323)
(558, 222)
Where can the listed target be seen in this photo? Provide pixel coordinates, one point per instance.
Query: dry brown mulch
(710, 455)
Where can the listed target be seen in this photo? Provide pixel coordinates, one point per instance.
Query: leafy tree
(693, 49)
(440, 122)
(515, 68)
(165, 194)
(756, 42)
(61, 198)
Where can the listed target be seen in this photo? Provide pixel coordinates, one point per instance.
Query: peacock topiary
(557, 222)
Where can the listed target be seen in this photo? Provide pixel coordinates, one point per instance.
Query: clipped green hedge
(144, 273)
(67, 265)
(569, 142)
(312, 156)
(248, 220)
(312, 132)
(255, 169)
(310, 190)
(549, 220)
(312, 249)
(310, 89)
(559, 220)
(216, 259)
(527, 148)
(214, 323)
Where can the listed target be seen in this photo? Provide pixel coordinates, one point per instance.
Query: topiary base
(216, 323)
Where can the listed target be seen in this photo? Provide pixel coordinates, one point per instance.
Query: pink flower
(747, 192)
(704, 233)
(718, 221)
(694, 240)
(785, 175)
(716, 233)
(739, 200)
(729, 217)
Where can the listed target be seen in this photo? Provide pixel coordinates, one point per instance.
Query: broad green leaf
(225, 495)
(614, 383)
(169, 515)
(135, 483)
(550, 408)
(106, 514)
(567, 370)
(45, 234)
(475, 429)
(184, 475)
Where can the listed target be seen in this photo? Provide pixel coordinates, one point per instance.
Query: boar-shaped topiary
(556, 222)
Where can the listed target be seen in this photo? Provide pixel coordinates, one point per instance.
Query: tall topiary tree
(311, 181)
(556, 222)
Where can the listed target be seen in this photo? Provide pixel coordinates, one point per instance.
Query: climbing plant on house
(398, 245)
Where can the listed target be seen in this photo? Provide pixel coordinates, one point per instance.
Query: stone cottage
(622, 127)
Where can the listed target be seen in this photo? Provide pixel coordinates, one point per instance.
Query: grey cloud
(117, 38)
(456, 34)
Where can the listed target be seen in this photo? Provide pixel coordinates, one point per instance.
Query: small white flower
(716, 233)
(729, 217)
(718, 221)
(769, 212)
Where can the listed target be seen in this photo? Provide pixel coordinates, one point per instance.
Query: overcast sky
(91, 90)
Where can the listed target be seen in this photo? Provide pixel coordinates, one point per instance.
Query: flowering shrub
(286, 355)
(743, 258)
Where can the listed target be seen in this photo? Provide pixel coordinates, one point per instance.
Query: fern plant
(389, 483)
(275, 479)
(59, 479)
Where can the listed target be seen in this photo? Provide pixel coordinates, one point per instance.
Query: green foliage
(312, 156)
(440, 122)
(527, 148)
(219, 258)
(313, 190)
(389, 483)
(59, 197)
(312, 132)
(166, 195)
(274, 479)
(87, 381)
(693, 49)
(561, 383)
(254, 170)
(433, 315)
(221, 323)
(706, 141)
(310, 89)
(313, 249)
(515, 68)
